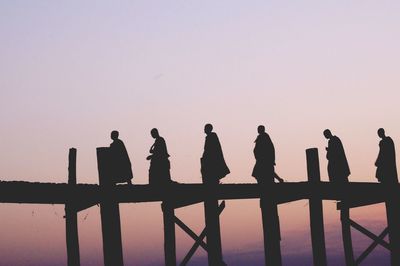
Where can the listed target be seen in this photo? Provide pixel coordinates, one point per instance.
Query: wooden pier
(77, 197)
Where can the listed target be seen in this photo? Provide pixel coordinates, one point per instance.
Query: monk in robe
(338, 167)
(159, 172)
(386, 171)
(213, 166)
(121, 167)
(264, 153)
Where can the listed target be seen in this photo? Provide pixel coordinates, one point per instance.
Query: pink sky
(72, 72)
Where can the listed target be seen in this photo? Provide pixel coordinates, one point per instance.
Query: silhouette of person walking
(213, 166)
(386, 171)
(120, 162)
(338, 167)
(159, 172)
(264, 153)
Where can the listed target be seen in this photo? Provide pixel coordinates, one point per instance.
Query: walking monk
(386, 170)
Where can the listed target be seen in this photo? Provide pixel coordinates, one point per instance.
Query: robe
(264, 152)
(121, 167)
(159, 172)
(386, 171)
(338, 167)
(213, 166)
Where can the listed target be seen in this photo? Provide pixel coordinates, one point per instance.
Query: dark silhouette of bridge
(77, 197)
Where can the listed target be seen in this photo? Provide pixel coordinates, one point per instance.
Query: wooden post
(71, 221)
(271, 228)
(346, 234)
(213, 226)
(316, 211)
(109, 211)
(393, 220)
(169, 234)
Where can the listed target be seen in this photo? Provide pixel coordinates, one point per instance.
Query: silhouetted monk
(386, 171)
(159, 172)
(264, 152)
(121, 165)
(338, 167)
(213, 166)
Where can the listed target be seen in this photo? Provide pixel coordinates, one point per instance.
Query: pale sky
(71, 72)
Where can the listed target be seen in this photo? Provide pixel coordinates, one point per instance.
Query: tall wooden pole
(346, 234)
(169, 233)
(271, 228)
(393, 220)
(316, 211)
(214, 246)
(109, 211)
(71, 221)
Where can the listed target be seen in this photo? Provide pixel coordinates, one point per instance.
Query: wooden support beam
(109, 211)
(393, 220)
(213, 226)
(316, 211)
(371, 247)
(187, 202)
(271, 229)
(59, 193)
(169, 234)
(346, 235)
(360, 202)
(71, 219)
(80, 206)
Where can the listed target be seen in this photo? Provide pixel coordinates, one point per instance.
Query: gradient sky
(71, 72)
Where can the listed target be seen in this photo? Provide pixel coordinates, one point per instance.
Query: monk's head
(327, 133)
(381, 133)
(154, 133)
(114, 135)
(260, 129)
(208, 128)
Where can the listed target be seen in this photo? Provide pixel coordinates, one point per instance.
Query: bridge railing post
(169, 233)
(316, 211)
(214, 246)
(393, 220)
(346, 234)
(71, 219)
(109, 211)
(271, 227)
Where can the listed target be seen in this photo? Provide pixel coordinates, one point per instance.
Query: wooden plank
(361, 202)
(52, 193)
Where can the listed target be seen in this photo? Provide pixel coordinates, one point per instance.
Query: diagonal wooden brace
(192, 234)
(370, 234)
(200, 240)
(371, 247)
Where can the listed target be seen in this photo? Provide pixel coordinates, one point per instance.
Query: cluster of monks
(338, 166)
(214, 167)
